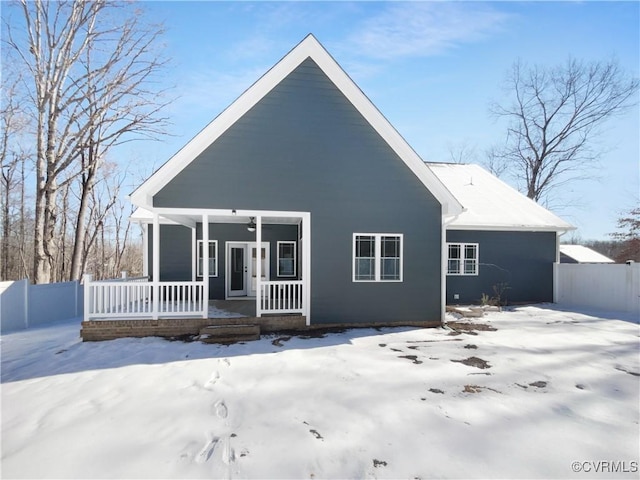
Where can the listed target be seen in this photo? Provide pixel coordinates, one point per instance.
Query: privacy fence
(607, 286)
(23, 305)
(614, 287)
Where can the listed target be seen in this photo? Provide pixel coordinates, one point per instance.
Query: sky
(432, 68)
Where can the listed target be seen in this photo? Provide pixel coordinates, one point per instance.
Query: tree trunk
(80, 228)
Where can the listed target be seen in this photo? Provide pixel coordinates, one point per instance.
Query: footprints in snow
(220, 409)
(207, 451)
(217, 447)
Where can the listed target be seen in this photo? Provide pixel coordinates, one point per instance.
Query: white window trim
(377, 257)
(463, 258)
(295, 258)
(215, 251)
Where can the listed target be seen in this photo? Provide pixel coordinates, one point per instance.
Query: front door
(241, 268)
(237, 271)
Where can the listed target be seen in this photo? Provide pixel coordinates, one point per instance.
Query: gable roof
(491, 204)
(582, 254)
(308, 48)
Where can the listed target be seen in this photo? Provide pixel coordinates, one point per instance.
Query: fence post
(87, 294)
(123, 274)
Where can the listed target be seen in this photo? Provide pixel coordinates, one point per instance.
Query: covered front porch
(244, 273)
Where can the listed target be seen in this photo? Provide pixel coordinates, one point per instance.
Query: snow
(490, 203)
(582, 254)
(562, 387)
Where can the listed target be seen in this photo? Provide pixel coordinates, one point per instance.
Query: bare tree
(629, 236)
(554, 117)
(13, 157)
(89, 67)
(462, 152)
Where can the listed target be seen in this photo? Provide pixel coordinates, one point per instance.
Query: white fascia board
(228, 212)
(510, 228)
(308, 48)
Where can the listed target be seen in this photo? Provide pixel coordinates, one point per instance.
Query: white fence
(604, 286)
(281, 297)
(23, 305)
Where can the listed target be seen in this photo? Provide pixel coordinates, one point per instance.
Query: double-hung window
(462, 259)
(213, 258)
(377, 257)
(286, 259)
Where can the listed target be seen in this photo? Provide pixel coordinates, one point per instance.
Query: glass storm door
(264, 268)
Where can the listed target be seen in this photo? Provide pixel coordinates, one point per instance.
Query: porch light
(251, 226)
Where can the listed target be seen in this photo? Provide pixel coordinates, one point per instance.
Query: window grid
(462, 259)
(286, 260)
(213, 258)
(377, 257)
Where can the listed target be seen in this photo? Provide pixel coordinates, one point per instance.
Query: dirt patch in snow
(466, 327)
(538, 384)
(413, 358)
(277, 342)
(477, 389)
(474, 362)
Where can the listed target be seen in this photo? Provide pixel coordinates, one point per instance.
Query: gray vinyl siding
(305, 147)
(175, 253)
(176, 250)
(225, 232)
(564, 258)
(522, 260)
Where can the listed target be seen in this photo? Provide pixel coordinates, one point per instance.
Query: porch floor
(232, 308)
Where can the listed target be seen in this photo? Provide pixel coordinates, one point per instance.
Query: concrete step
(229, 333)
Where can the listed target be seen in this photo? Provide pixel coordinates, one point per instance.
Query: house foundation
(98, 330)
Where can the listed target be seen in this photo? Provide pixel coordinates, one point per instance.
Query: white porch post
(155, 305)
(145, 250)
(205, 265)
(194, 255)
(306, 266)
(88, 298)
(258, 266)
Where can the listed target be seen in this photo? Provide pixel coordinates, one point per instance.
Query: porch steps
(229, 333)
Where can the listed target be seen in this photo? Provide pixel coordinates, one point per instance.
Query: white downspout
(446, 221)
(306, 266)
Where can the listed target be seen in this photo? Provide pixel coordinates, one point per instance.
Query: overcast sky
(432, 68)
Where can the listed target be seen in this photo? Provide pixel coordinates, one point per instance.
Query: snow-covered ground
(559, 387)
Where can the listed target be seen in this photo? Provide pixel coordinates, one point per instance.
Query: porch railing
(281, 297)
(133, 298)
(180, 298)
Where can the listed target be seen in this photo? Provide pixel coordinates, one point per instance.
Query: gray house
(503, 243)
(304, 198)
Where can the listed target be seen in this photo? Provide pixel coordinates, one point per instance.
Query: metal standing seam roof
(491, 204)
